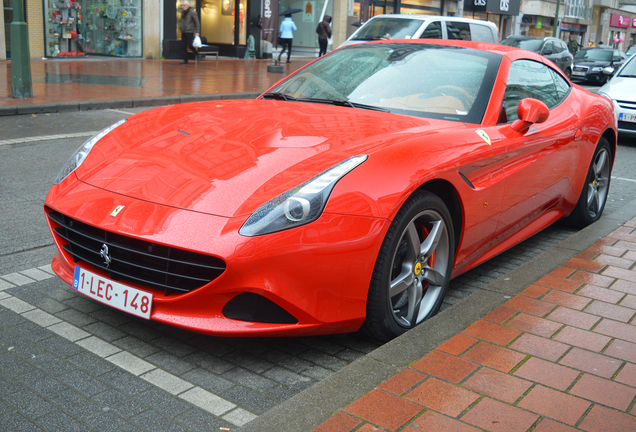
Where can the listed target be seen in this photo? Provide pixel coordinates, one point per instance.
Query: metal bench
(209, 49)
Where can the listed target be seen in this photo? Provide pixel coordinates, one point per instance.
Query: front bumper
(318, 273)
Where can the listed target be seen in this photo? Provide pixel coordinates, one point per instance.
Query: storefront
(76, 28)
(618, 31)
(499, 12)
(225, 23)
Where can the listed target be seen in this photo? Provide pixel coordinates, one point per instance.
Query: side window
(458, 30)
(528, 79)
(558, 47)
(481, 33)
(562, 86)
(432, 31)
(548, 48)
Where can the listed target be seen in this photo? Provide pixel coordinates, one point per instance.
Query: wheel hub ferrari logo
(418, 269)
(104, 254)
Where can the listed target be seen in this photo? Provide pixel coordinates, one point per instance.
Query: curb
(61, 107)
(318, 403)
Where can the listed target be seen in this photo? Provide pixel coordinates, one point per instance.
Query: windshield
(631, 51)
(533, 45)
(423, 80)
(594, 55)
(629, 70)
(388, 28)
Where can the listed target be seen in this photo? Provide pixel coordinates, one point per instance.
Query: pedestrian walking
(190, 27)
(287, 29)
(324, 33)
(573, 45)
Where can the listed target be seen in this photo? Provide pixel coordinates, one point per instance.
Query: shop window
(218, 21)
(84, 27)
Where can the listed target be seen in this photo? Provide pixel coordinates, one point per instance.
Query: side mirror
(530, 111)
(547, 52)
(608, 70)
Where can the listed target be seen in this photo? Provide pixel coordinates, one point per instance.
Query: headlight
(80, 155)
(597, 68)
(300, 205)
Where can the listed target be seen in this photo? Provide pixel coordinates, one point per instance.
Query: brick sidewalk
(560, 356)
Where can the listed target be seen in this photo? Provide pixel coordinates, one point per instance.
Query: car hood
(227, 158)
(621, 88)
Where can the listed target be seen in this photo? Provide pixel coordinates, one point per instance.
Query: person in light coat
(287, 29)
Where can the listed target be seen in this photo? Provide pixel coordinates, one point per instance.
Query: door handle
(578, 134)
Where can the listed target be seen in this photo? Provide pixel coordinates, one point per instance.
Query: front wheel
(413, 268)
(593, 197)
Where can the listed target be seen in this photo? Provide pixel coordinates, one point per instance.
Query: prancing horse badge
(117, 210)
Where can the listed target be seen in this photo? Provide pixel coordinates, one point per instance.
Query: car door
(540, 163)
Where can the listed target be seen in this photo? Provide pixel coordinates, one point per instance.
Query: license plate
(575, 73)
(115, 294)
(627, 117)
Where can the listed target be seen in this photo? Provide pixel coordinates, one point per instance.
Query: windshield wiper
(278, 96)
(341, 102)
(627, 75)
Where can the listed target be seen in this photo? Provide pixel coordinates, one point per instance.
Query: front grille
(626, 125)
(628, 105)
(580, 68)
(149, 264)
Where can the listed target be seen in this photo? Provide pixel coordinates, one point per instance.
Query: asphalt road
(68, 363)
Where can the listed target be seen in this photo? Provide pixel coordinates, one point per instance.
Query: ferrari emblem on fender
(418, 269)
(104, 254)
(483, 136)
(117, 210)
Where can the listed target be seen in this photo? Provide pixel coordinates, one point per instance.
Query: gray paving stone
(47, 268)
(125, 382)
(281, 393)
(239, 417)
(59, 421)
(289, 361)
(104, 331)
(209, 362)
(41, 318)
(207, 381)
(41, 383)
(8, 385)
(84, 383)
(289, 378)
(200, 420)
(130, 363)
(135, 346)
(60, 347)
(252, 363)
(249, 400)
(29, 404)
(107, 421)
(248, 379)
(36, 274)
(75, 317)
(5, 285)
(83, 304)
(17, 279)
(90, 363)
(317, 373)
(119, 403)
(141, 330)
(213, 345)
(32, 331)
(13, 365)
(98, 346)
(153, 421)
(207, 401)
(16, 305)
(68, 331)
(163, 402)
(167, 381)
(14, 422)
(112, 316)
(170, 363)
(10, 319)
(173, 346)
(75, 404)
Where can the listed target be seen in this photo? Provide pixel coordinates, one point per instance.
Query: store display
(109, 27)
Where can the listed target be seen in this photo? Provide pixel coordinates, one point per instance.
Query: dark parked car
(590, 62)
(550, 47)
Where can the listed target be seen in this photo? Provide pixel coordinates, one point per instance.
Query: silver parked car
(621, 89)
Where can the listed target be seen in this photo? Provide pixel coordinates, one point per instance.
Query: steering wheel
(458, 92)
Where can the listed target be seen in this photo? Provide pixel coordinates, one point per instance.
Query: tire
(568, 73)
(413, 268)
(591, 203)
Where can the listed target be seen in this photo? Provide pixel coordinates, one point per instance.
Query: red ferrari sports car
(345, 197)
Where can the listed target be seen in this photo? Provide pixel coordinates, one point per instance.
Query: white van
(396, 26)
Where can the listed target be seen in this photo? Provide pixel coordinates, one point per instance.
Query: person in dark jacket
(324, 33)
(190, 27)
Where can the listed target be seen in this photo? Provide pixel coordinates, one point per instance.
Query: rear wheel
(593, 197)
(568, 73)
(413, 268)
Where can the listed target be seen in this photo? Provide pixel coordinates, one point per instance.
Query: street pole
(556, 20)
(21, 86)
